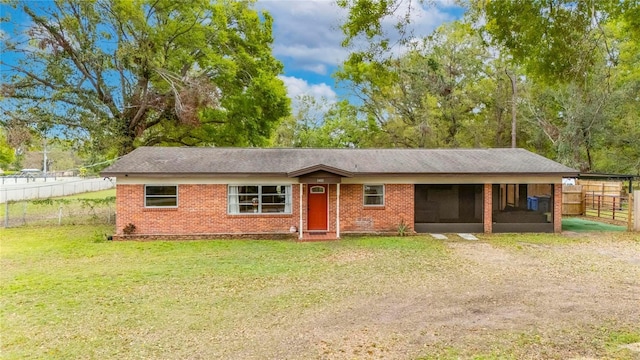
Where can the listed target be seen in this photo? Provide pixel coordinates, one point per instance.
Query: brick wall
(202, 209)
(355, 217)
(557, 208)
(488, 209)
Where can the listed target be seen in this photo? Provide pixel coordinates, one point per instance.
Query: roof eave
(563, 174)
(298, 173)
(191, 174)
(320, 167)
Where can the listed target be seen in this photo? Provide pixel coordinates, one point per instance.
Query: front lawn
(66, 292)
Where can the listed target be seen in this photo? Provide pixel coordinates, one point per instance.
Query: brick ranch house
(179, 193)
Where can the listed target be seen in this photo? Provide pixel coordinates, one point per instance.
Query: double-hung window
(259, 199)
(161, 196)
(373, 195)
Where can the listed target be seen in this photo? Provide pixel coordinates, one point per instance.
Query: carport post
(636, 210)
(630, 204)
(487, 209)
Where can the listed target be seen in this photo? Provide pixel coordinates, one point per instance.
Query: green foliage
(7, 153)
(580, 60)
(146, 73)
(575, 66)
(562, 39)
(323, 125)
(403, 227)
(447, 91)
(85, 202)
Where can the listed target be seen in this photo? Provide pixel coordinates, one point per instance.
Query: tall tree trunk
(514, 98)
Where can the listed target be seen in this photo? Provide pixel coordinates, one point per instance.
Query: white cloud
(299, 87)
(307, 38)
(308, 35)
(447, 3)
(319, 69)
(322, 93)
(305, 56)
(306, 32)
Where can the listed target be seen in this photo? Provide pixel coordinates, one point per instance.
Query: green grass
(92, 194)
(613, 340)
(76, 209)
(66, 293)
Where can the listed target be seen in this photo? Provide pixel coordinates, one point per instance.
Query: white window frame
(365, 195)
(160, 196)
(288, 200)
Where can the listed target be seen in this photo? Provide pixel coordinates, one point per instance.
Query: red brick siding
(202, 209)
(488, 208)
(333, 196)
(398, 206)
(557, 208)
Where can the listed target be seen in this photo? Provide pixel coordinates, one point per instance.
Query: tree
(318, 124)
(146, 72)
(620, 151)
(575, 64)
(7, 153)
(556, 40)
(300, 129)
(429, 96)
(574, 119)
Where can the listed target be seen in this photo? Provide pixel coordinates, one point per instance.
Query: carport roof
(165, 161)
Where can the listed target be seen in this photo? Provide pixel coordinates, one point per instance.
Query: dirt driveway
(521, 301)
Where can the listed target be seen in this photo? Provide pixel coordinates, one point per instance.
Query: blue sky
(307, 38)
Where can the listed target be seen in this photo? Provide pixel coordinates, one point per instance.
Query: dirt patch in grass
(528, 302)
(349, 256)
(503, 297)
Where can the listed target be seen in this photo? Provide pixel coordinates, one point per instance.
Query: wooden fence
(572, 200)
(604, 200)
(607, 207)
(601, 187)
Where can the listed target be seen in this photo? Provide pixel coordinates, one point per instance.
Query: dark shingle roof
(277, 161)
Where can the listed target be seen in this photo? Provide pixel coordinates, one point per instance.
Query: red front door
(317, 207)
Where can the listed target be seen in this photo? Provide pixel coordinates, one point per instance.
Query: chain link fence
(62, 211)
(48, 203)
